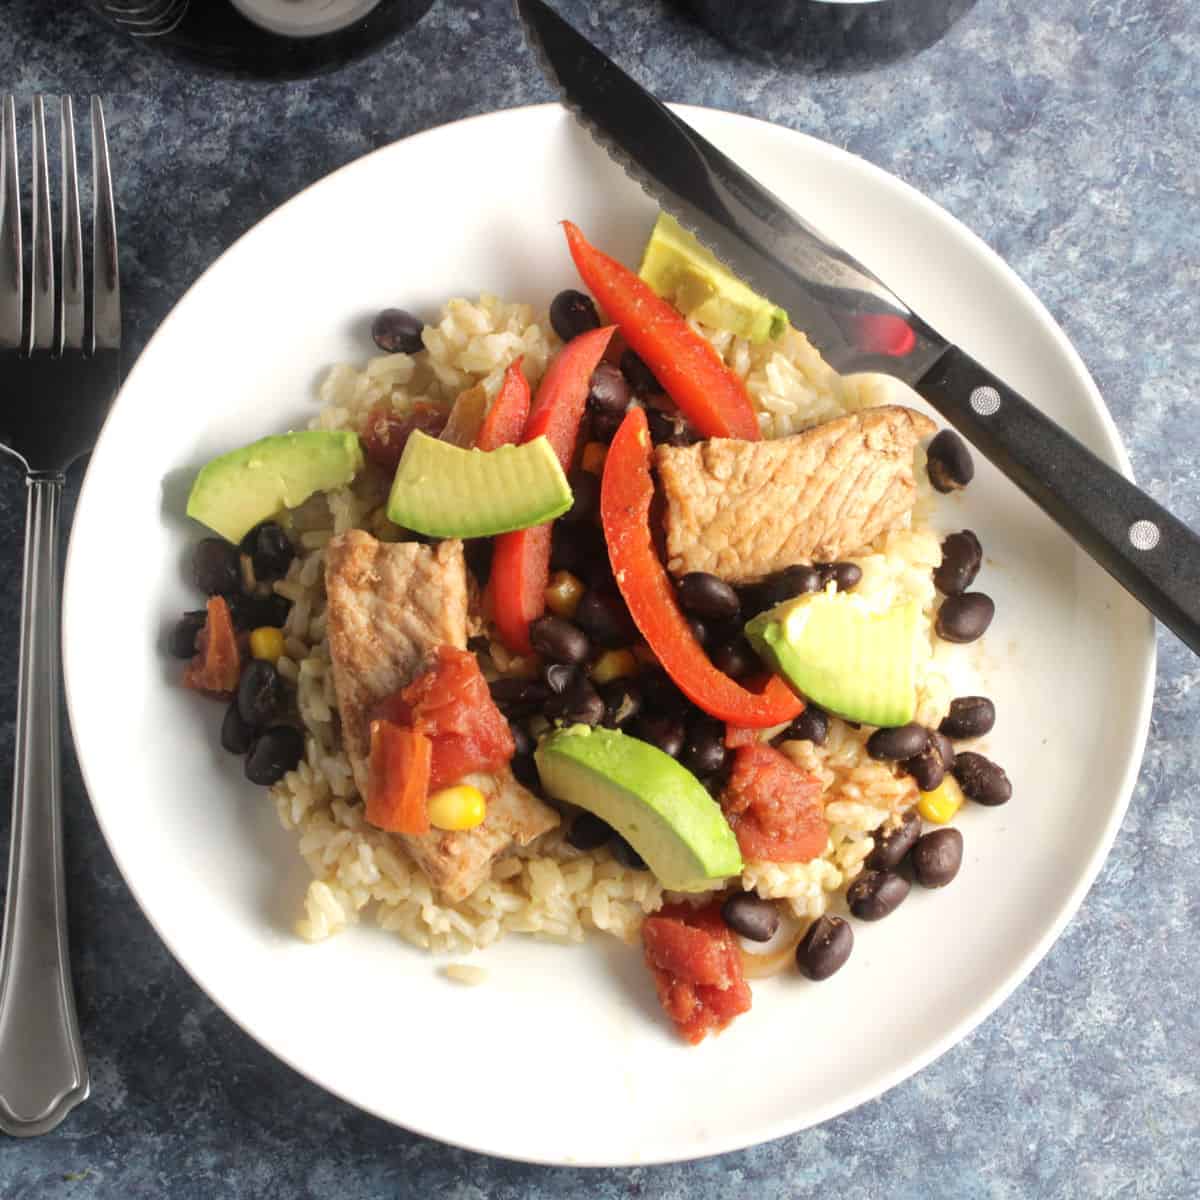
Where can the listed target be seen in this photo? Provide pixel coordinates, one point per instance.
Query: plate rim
(1114, 449)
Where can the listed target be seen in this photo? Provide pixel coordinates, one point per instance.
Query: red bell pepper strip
(398, 778)
(506, 418)
(704, 389)
(521, 560)
(625, 495)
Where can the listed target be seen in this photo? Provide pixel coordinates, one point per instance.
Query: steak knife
(859, 324)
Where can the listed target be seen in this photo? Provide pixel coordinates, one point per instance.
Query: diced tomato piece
(217, 665)
(451, 705)
(697, 969)
(739, 735)
(398, 779)
(506, 419)
(774, 807)
(386, 433)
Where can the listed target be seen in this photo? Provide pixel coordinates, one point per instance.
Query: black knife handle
(1141, 545)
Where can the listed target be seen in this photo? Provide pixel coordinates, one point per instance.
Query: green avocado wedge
(445, 491)
(687, 274)
(659, 807)
(836, 652)
(236, 491)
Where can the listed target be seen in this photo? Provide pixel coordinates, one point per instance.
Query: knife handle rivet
(1144, 535)
(985, 401)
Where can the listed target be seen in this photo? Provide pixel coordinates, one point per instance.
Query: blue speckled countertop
(1067, 134)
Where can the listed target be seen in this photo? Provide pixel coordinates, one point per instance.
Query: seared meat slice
(389, 605)
(457, 863)
(741, 510)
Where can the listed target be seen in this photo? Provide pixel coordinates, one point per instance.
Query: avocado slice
(445, 491)
(687, 274)
(839, 653)
(660, 808)
(236, 491)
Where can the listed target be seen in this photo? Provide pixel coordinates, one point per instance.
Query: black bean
(275, 753)
(892, 845)
(236, 735)
(964, 618)
(714, 784)
(588, 832)
(699, 630)
(585, 497)
(559, 676)
(937, 857)
(969, 717)
(824, 948)
(622, 702)
(669, 429)
(397, 332)
(707, 596)
(736, 659)
(558, 640)
(811, 725)
(569, 548)
(573, 313)
(270, 550)
(981, 779)
(962, 556)
(666, 733)
(898, 742)
(478, 553)
(181, 641)
(783, 585)
(604, 618)
(625, 854)
(641, 378)
(526, 773)
(253, 612)
(876, 894)
(949, 462)
(261, 694)
(844, 575)
(522, 742)
(660, 693)
(944, 746)
(704, 749)
(751, 916)
(479, 644)
(604, 426)
(216, 567)
(927, 769)
(584, 705)
(608, 391)
(518, 697)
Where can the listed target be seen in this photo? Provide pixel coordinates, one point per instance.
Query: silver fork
(59, 366)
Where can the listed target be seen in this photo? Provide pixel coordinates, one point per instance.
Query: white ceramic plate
(562, 1056)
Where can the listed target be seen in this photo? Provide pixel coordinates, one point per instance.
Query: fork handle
(43, 1072)
(1153, 554)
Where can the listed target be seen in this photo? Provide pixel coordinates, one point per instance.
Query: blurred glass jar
(829, 34)
(263, 39)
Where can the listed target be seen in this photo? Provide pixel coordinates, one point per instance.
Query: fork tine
(70, 295)
(41, 317)
(12, 284)
(106, 279)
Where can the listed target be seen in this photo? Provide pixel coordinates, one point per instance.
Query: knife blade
(858, 323)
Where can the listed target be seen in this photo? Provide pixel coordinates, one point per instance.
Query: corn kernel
(563, 593)
(940, 805)
(267, 642)
(458, 807)
(594, 454)
(614, 664)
